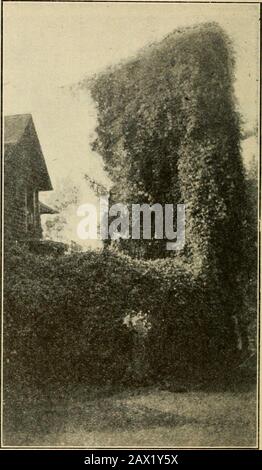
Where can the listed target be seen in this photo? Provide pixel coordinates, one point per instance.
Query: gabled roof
(15, 127)
(18, 126)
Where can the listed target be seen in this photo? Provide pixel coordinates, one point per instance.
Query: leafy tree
(63, 200)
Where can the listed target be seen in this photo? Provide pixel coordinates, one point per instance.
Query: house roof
(15, 127)
(18, 126)
(44, 209)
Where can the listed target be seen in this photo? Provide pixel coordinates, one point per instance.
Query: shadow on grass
(30, 421)
(30, 416)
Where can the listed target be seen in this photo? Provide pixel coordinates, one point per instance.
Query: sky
(50, 47)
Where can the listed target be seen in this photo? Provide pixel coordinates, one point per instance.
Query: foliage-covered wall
(65, 321)
(168, 132)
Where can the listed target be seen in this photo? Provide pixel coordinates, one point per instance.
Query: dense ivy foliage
(64, 320)
(168, 133)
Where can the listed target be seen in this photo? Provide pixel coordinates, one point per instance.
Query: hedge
(64, 320)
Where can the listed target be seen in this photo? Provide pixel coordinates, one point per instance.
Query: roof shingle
(15, 127)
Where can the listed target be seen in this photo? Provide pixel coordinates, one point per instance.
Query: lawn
(146, 417)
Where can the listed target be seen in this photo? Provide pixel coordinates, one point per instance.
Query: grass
(151, 417)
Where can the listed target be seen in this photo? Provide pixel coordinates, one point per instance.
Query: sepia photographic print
(130, 234)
